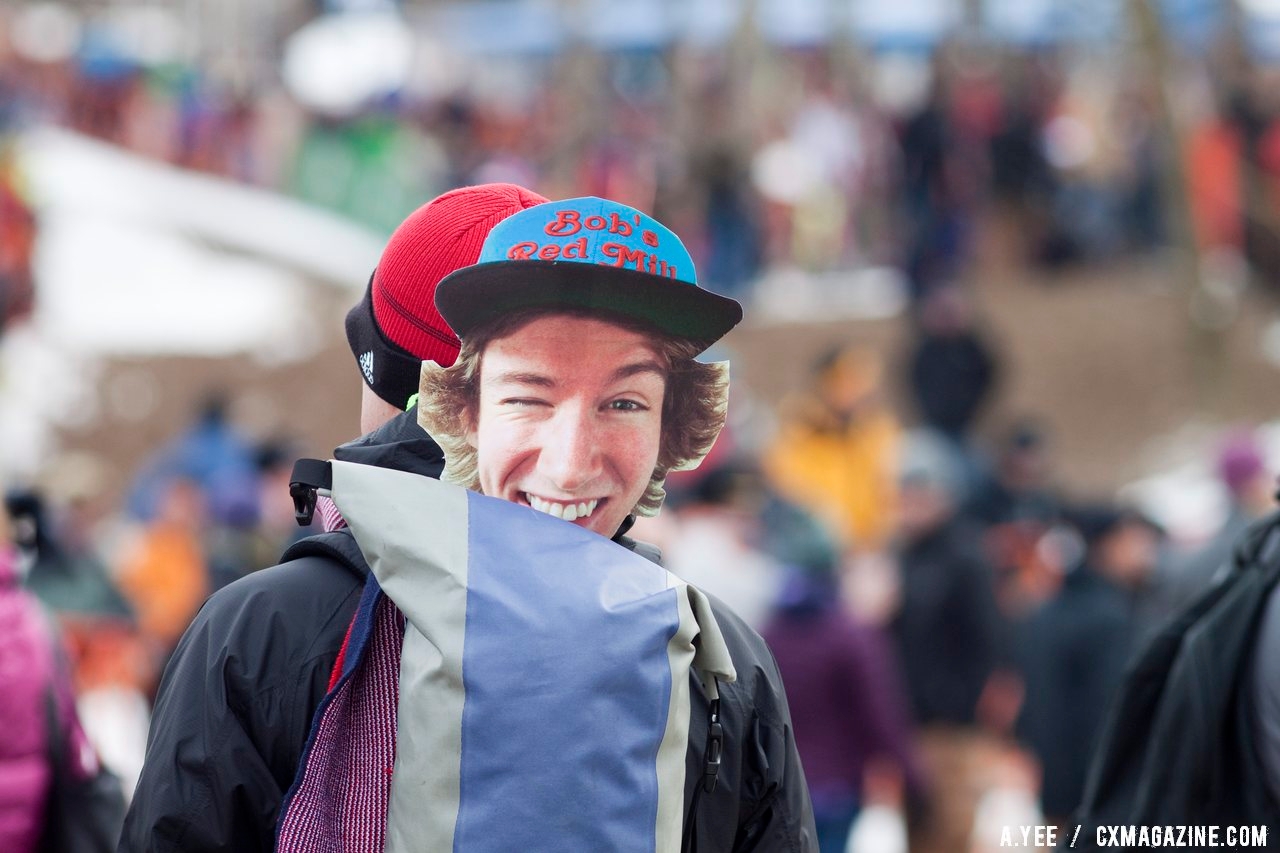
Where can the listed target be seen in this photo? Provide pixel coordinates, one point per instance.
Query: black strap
(689, 843)
(308, 476)
(715, 748)
(55, 748)
(711, 756)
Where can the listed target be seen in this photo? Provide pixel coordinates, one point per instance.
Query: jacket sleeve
(234, 708)
(777, 816)
(762, 800)
(1266, 692)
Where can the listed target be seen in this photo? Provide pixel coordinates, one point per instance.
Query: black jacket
(951, 377)
(1072, 653)
(1179, 745)
(948, 629)
(236, 702)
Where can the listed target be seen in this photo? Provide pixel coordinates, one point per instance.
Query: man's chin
(603, 524)
(596, 527)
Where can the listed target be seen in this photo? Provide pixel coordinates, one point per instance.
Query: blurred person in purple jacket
(1248, 483)
(54, 795)
(848, 706)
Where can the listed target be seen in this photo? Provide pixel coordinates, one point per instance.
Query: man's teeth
(568, 512)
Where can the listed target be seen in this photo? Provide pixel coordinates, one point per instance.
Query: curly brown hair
(693, 406)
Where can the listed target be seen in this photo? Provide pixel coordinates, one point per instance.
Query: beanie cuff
(389, 370)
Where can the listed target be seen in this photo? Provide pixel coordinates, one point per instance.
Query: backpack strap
(711, 757)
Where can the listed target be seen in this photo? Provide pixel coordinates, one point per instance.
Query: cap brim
(474, 295)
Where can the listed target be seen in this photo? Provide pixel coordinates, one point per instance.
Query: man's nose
(571, 452)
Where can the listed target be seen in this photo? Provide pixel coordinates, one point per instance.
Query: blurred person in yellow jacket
(837, 449)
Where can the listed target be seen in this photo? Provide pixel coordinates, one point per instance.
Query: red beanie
(438, 238)
(441, 236)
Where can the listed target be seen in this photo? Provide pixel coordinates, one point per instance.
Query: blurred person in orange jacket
(164, 575)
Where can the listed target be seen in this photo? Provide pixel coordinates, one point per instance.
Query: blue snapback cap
(587, 253)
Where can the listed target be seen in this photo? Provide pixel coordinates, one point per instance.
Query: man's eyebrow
(542, 380)
(522, 377)
(638, 367)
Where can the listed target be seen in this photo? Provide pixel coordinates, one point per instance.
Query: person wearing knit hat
(292, 717)
(396, 326)
(1248, 487)
(234, 708)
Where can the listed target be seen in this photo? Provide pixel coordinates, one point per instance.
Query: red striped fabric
(330, 517)
(340, 804)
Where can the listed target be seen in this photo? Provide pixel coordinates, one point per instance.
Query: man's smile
(566, 510)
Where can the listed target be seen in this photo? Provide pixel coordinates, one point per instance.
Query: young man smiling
(575, 392)
(576, 413)
(576, 437)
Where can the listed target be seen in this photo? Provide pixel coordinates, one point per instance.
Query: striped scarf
(338, 803)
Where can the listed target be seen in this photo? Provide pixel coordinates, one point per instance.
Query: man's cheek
(640, 446)
(504, 443)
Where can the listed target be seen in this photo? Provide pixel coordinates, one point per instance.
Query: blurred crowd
(821, 157)
(948, 622)
(124, 582)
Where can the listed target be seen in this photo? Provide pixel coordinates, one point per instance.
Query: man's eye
(521, 402)
(628, 406)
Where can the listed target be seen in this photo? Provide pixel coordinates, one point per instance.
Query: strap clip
(715, 749)
(308, 476)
